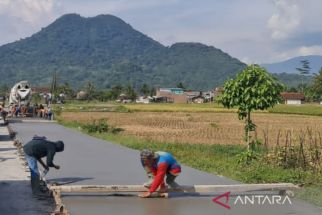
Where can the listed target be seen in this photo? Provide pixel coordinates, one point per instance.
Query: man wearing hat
(158, 165)
(36, 149)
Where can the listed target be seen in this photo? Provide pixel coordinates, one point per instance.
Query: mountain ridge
(108, 51)
(290, 65)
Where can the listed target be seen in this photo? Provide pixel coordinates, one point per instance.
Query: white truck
(20, 94)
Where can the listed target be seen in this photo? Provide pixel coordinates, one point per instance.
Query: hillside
(289, 66)
(107, 51)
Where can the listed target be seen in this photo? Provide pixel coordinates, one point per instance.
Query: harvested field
(204, 128)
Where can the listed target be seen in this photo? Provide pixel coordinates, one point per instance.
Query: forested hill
(107, 51)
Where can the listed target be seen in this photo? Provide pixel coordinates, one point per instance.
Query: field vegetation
(289, 145)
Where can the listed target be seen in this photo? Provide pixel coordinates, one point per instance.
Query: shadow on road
(68, 180)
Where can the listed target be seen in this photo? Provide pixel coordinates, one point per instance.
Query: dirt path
(87, 160)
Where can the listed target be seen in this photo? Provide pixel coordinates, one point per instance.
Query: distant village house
(293, 98)
(171, 95)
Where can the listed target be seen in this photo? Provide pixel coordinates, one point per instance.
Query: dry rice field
(204, 128)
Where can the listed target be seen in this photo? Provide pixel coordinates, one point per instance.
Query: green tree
(53, 84)
(36, 98)
(152, 92)
(145, 90)
(253, 89)
(304, 70)
(115, 92)
(317, 85)
(180, 85)
(66, 89)
(90, 90)
(130, 93)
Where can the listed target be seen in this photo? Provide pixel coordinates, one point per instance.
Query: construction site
(95, 176)
(98, 177)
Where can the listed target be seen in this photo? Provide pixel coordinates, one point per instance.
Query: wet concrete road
(87, 160)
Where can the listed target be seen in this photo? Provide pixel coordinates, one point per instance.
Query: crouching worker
(158, 165)
(36, 149)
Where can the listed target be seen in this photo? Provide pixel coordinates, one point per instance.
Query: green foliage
(305, 67)
(106, 51)
(130, 93)
(122, 109)
(304, 109)
(222, 159)
(100, 126)
(317, 85)
(145, 90)
(253, 89)
(293, 80)
(89, 89)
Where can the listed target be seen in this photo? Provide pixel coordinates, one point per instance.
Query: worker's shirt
(164, 164)
(40, 147)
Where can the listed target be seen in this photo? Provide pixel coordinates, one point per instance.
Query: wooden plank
(184, 188)
(60, 209)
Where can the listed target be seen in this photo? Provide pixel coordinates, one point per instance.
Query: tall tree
(53, 84)
(317, 85)
(116, 91)
(254, 88)
(66, 89)
(90, 90)
(145, 90)
(304, 70)
(181, 85)
(130, 93)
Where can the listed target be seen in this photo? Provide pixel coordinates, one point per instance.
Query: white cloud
(298, 51)
(310, 50)
(286, 20)
(20, 18)
(31, 11)
(95, 7)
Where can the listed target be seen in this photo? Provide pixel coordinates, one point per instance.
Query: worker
(36, 149)
(158, 165)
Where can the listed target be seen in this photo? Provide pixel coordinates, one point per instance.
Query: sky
(254, 31)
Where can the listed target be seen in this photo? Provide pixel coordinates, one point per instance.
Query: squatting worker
(158, 165)
(36, 149)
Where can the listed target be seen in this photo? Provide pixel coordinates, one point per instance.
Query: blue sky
(254, 31)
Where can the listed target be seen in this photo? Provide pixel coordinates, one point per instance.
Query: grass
(201, 128)
(304, 109)
(192, 108)
(207, 136)
(223, 160)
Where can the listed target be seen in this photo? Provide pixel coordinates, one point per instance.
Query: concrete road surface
(87, 160)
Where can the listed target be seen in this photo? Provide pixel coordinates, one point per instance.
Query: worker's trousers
(34, 173)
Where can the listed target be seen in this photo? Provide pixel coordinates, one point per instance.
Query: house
(123, 98)
(40, 90)
(209, 96)
(81, 95)
(191, 95)
(198, 99)
(293, 98)
(144, 99)
(171, 95)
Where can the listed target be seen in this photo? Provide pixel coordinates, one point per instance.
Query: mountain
(107, 51)
(289, 66)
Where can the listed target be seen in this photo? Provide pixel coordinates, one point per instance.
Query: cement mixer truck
(20, 94)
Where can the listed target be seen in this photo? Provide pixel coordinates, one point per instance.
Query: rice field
(204, 127)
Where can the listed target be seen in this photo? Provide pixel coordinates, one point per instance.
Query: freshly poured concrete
(87, 160)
